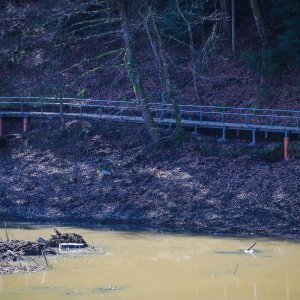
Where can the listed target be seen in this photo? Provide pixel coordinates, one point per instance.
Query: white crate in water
(69, 246)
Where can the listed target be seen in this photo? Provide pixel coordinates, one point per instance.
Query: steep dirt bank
(102, 173)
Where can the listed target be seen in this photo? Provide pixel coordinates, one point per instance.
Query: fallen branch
(251, 246)
(235, 269)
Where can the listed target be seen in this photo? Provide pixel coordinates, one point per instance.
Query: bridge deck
(287, 121)
(162, 121)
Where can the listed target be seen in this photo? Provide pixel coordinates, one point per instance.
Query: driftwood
(250, 248)
(17, 250)
(235, 269)
(9, 268)
(13, 249)
(60, 238)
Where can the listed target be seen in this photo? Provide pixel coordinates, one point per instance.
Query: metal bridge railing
(246, 117)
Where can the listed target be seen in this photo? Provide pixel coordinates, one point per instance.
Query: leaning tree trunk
(133, 73)
(259, 22)
(165, 71)
(233, 25)
(262, 35)
(192, 50)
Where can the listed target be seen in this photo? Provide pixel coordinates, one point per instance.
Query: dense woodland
(241, 53)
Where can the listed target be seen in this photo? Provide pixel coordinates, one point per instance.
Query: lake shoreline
(138, 227)
(84, 173)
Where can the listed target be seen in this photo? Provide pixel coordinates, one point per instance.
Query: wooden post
(286, 148)
(1, 127)
(25, 124)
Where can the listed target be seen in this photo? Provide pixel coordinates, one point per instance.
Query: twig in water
(251, 246)
(6, 233)
(45, 258)
(33, 260)
(235, 269)
(12, 235)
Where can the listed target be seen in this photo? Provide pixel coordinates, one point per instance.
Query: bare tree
(262, 35)
(233, 25)
(193, 53)
(160, 55)
(133, 72)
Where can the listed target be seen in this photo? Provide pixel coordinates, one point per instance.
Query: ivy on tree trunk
(133, 73)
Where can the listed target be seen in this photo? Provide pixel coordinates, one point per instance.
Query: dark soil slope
(103, 173)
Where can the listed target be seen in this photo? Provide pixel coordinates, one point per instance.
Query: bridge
(194, 116)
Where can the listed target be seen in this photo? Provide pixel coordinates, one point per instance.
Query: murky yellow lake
(130, 265)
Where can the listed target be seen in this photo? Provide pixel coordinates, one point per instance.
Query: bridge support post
(266, 134)
(238, 133)
(223, 139)
(1, 127)
(61, 110)
(286, 148)
(25, 124)
(253, 137)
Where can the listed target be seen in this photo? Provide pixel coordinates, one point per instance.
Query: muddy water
(160, 266)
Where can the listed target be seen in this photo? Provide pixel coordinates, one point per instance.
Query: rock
(105, 172)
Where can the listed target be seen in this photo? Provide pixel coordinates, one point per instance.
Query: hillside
(106, 174)
(50, 48)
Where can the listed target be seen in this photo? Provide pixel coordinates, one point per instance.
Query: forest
(218, 52)
(193, 51)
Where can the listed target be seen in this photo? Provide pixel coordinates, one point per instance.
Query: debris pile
(61, 238)
(12, 249)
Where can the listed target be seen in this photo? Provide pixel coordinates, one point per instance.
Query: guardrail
(192, 115)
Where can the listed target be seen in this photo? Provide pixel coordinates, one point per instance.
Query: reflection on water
(160, 266)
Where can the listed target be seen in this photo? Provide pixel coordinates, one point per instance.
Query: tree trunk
(259, 22)
(233, 25)
(192, 50)
(262, 35)
(133, 73)
(165, 71)
(225, 18)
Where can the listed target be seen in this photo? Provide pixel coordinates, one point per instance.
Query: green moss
(271, 152)
(83, 94)
(294, 149)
